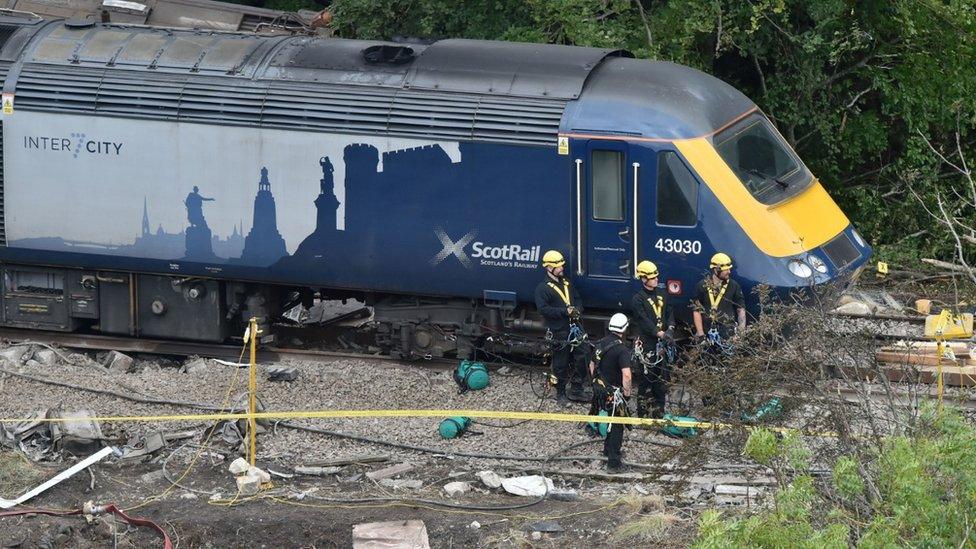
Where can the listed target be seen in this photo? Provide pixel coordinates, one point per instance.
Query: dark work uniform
(612, 357)
(551, 300)
(723, 318)
(652, 314)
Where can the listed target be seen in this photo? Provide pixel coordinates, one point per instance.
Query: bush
(923, 494)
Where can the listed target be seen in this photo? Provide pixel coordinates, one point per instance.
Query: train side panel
(312, 209)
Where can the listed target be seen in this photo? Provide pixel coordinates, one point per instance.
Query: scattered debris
(282, 373)
(474, 525)
(66, 474)
(331, 311)
(531, 486)
(80, 435)
(351, 460)
(564, 495)
(13, 355)
(390, 472)
(47, 357)
(117, 362)
(853, 308)
(317, 471)
(195, 366)
(490, 479)
(248, 485)
(144, 445)
(401, 534)
(456, 488)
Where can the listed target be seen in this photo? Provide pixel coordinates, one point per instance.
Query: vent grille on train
(6, 31)
(841, 252)
(348, 109)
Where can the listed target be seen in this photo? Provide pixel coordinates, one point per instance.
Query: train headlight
(799, 268)
(817, 264)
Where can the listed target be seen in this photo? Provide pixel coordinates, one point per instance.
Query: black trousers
(614, 442)
(652, 382)
(568, 363)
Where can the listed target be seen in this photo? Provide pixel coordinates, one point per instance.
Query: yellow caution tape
(346, 414)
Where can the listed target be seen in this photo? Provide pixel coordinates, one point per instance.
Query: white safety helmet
(618, 323)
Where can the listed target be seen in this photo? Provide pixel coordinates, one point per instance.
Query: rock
(317, 471)
(153, 477)
(14, 355)
(32, 364)
(239, 466)
(402, 534)
(641, 490)
(504, 370)
(399, 484)
(536, 536)
(474, 525)
(564, 495)
(391, 471)
(548, 526)
(46, 357)
(457, 488)
(118, 362)
(853, 308)
(281, 373)
(196, 366)
(260, 474)
(188, 495)
(248, 485)
(529, 486)
(490, 479)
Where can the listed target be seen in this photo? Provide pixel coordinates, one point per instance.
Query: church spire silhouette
(264, 244)
(145, 217)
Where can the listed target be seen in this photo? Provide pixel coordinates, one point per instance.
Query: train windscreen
(762, 160)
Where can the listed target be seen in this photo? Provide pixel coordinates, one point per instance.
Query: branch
(647, 27)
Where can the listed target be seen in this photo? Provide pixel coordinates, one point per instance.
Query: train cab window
(677, 192)
(762, 160)
(608, 185)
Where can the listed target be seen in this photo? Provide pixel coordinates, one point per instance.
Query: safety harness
(713, 336)
(615, 403)
(576, 333)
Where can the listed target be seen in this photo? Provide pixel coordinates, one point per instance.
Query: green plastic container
(601, 428)
(453, 427)
(770, 409)
(677, 431)
(471, 376)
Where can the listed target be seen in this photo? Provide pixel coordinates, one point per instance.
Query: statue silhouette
(194, 207)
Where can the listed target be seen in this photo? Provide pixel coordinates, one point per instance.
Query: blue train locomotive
(171, 183)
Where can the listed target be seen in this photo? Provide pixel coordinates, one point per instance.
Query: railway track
(92, 342)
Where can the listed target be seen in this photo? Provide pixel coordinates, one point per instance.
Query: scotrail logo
(507, 255)
(77, 144)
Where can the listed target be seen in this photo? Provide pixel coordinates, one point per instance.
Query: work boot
(617, 468)
(562, 400)
(576, 393)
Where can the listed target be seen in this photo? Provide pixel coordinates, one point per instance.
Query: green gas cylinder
(471, 376)
(453, 427)
(601, 428)
(678, 431)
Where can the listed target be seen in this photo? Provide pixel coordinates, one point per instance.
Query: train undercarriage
(208, 310)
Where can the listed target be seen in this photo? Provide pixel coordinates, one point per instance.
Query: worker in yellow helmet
(719, 312)
(559, 304)
(654, 318)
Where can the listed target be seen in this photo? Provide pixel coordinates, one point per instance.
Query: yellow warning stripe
(346, 414)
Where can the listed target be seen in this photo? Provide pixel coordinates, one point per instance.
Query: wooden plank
(908, 358)
(955, 376)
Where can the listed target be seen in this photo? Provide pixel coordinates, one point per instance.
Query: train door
(674, 237)
(605, 184)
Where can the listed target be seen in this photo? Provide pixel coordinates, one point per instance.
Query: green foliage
(852, 85)
(847, 479)
(762, 446)
(926, 496)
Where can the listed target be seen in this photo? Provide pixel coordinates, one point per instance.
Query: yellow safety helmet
(553, 258)
(721, 261)
(646, 269)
